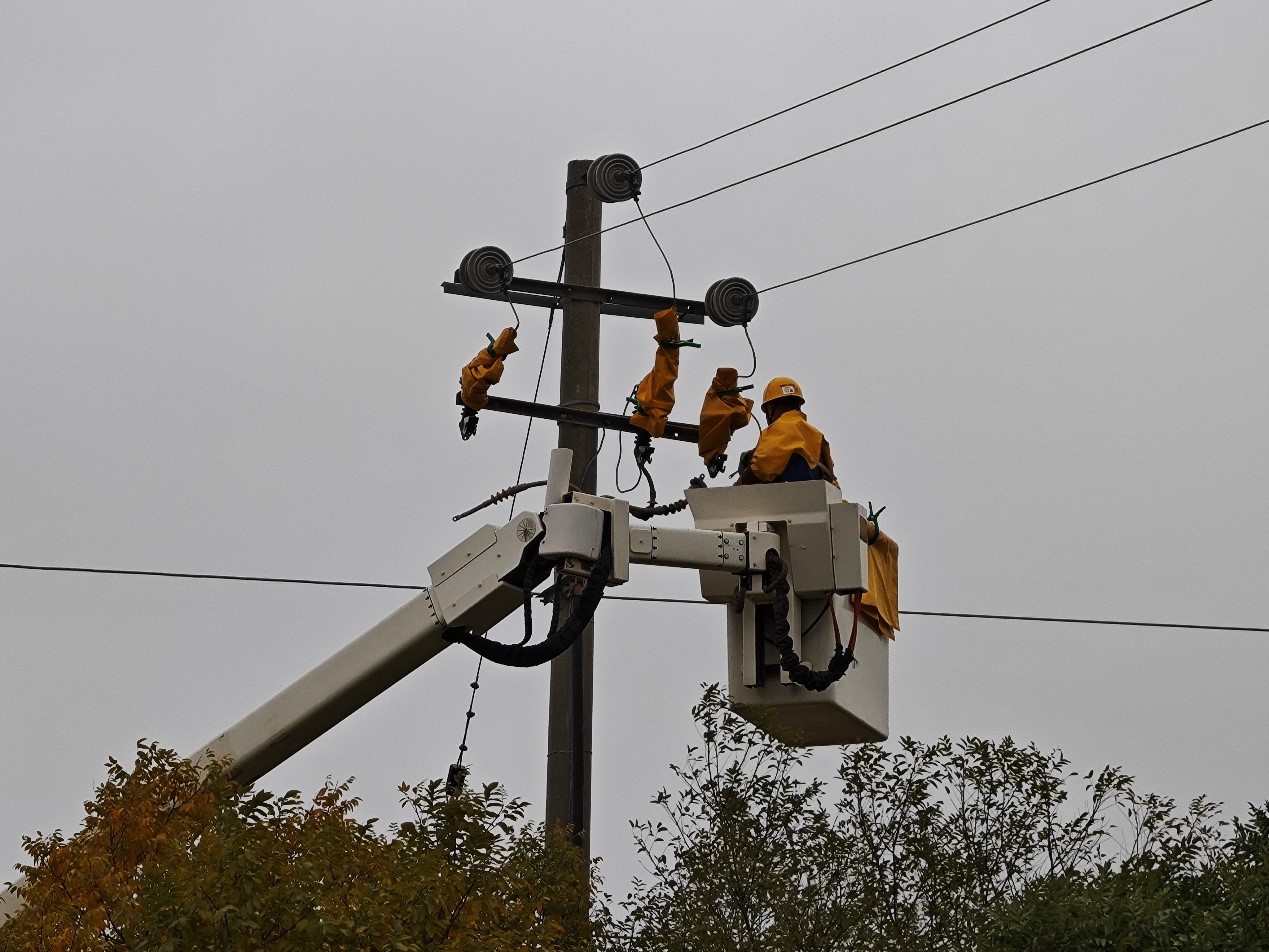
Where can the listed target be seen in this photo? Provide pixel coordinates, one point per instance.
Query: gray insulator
(615, 178)
(731, 301)
(485, 270)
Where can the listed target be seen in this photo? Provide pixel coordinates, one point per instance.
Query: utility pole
(487, 272)
(568, 757)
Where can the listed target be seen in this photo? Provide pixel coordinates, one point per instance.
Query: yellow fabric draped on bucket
(722, 414)
(654, 397)
(485, 369)
(880, 603)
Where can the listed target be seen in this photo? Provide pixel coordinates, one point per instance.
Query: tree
(1193, 888)
(171, 857)
(974, 844)
(929, 846)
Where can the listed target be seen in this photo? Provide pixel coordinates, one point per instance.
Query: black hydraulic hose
(562, 635)
(777, 582)
(647, 512)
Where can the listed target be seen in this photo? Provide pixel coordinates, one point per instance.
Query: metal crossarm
(683, 432)
(537, 293)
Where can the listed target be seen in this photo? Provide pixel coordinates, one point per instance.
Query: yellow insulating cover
(880, 603)
(485, 369)
(655, 393)
(722, 414)
(790, 433)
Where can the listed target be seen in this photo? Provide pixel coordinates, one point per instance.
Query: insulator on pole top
(731, 301)
(615, 177)
(485, 270)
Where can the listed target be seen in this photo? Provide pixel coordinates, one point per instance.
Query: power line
(877, 131)
(1016, 208)
(1090, 621)
(854, 82)
(619, 598)
(205, 575)
(979, 615)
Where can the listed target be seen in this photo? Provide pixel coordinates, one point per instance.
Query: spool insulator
(485, 270)
(615, 177)
(731, 301)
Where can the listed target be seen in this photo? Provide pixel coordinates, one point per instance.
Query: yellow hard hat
(781, 387)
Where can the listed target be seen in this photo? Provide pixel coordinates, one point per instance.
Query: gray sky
(223, 348)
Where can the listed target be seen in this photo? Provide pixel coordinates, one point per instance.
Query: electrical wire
(603, 435)
(674, 293)
(524, 450)
(979, 615)
(471, 711)
(207, 575)
(616, 472)
(877, 131)
(624, 598)
(550, 323)
(753, 370)
(1017, 208)
(854, 82)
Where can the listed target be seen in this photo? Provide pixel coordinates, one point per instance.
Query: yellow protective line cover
(485, 369)
(655, 394)
(722, 414)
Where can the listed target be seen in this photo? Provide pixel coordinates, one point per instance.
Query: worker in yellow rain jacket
(789, 449)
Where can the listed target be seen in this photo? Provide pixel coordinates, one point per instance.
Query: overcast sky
(224, 348)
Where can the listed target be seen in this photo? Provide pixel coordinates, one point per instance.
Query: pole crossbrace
(536, 293)
(682, 432)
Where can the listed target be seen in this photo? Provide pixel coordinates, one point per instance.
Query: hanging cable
(335, 583)
(603, 435)
(753, 353)
(616, 474)
(457, 772)
(1017, 208)
(854, 82)
(550, 323)
(456, 779)
(674, 294)
(859, 138)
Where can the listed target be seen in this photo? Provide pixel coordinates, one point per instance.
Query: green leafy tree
(172, 858)
(925, 846)
(1192, 887)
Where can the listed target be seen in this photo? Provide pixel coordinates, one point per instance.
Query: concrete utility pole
(568, 756)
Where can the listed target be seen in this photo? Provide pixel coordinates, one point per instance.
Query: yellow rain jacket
(880, 603)
(655, 394)
(722, 414)
(485, 369)
(790, 434)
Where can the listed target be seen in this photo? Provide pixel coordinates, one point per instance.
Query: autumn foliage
(174, 858)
